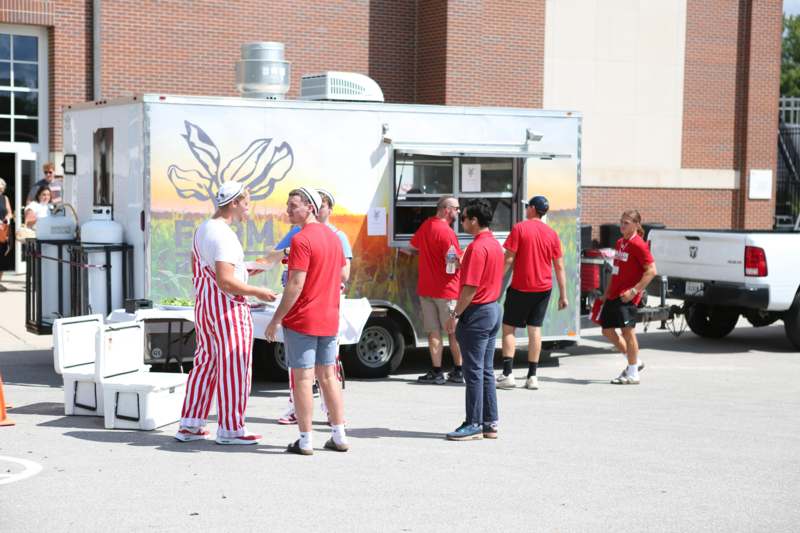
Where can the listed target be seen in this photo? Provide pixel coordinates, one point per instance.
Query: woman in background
(39, 208)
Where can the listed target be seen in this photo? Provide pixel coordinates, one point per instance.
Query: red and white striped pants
(222, 360)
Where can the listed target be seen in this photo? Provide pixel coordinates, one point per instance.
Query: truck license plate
(694, 288)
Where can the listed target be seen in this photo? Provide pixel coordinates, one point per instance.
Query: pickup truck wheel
(710, 322)
(269, 361)
(379, 350)
(759, 319)
(791, 322)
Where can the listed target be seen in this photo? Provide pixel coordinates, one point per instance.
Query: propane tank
(99, 231)
(53, 232)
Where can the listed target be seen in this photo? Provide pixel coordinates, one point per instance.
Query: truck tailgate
(699, 255)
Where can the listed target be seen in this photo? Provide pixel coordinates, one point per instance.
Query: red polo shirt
(629, 261)
(482, 267)
(317, 251)
(536, 245)
(433, 238)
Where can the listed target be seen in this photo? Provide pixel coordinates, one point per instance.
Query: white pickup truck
(721, 275)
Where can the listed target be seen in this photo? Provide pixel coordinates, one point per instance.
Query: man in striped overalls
(223, 324)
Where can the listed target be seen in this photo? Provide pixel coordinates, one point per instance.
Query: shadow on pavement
(378, 433)
(163, 441)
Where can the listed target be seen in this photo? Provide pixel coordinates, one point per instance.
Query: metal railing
(787, 193)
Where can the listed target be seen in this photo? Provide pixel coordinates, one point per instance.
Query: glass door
(25, 177)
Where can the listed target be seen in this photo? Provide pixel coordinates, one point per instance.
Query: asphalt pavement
(710, 441)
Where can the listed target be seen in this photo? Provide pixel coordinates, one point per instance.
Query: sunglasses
(48, 171)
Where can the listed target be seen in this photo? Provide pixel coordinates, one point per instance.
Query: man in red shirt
(478, 317)
(309, 314)
(533, 248)
(436, 287)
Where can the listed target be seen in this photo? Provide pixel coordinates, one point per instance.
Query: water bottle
(451, 260)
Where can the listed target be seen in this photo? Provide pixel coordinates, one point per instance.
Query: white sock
(337, 432)
(633, 371)
(305, 440)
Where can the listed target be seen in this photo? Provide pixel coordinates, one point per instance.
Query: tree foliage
(790, 56)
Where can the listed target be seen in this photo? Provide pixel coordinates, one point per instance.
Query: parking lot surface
(710, 441)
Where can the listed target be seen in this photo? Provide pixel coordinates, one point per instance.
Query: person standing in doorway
(48, 170)
(6, 216)
(223, 324)
(534, 250)
(309, 314)
(437, 285)
(634, 268)
(476, 321)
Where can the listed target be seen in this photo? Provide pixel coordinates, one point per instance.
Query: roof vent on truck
(342, 86)
(262, 72)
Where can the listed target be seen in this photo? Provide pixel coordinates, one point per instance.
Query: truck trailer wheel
(379, 350)
(709, 321)
(269, 361)
(791, 322)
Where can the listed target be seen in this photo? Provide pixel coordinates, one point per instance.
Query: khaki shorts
(435, 312)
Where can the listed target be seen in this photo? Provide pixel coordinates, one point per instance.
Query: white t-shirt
(216, 241)
(40, 210)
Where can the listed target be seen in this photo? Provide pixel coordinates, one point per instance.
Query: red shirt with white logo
(536, 245)
(630, 259)
(433, 238)
(316, 250)
(482, 267)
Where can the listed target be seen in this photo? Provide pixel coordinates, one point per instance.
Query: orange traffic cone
(4, 420)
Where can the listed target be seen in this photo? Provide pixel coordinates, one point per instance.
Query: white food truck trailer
(158, 160)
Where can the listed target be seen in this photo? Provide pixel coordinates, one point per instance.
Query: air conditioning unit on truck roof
(343, 86)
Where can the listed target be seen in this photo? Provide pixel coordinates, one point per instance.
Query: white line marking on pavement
(30, 469)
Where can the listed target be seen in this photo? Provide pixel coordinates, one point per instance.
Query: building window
(19, 88)
(420, 180)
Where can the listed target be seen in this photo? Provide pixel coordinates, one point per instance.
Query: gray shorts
(305, 351)
(435, 312)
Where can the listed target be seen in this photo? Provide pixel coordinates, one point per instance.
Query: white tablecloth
(353, 316)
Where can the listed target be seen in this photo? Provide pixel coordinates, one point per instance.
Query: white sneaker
(506, 382)
(532, 383)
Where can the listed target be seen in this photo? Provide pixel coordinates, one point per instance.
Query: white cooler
(74, 354)
(134, 398)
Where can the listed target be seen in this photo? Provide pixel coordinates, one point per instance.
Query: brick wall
(677, 208)
(431, 56)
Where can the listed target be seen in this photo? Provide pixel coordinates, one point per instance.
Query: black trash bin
(652, 225)
(609, 235)
(586, 237)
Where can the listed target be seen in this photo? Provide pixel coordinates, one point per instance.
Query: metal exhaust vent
(263, 72)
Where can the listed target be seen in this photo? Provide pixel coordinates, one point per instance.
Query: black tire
(709, 321)
(269, 361)
(791, 322)
(759, 319)
(379, 351)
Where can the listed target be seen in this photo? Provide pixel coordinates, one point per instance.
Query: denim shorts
(305, 351)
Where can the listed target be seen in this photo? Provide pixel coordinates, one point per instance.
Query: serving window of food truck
(420, 179)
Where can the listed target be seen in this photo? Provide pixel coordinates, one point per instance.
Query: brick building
(680, 97)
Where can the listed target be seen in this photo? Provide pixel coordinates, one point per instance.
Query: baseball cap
(539, 203)
(228, 192)
(312, 196)
(324, 192)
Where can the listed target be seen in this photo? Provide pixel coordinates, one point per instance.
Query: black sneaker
(456, 376)
(315, 390)
(432, 378)
(489, 430)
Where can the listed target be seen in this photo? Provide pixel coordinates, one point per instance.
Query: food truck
(158, 160)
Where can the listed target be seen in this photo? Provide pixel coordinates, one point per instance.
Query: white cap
(329, 194)
(313, 197)
(228, 192)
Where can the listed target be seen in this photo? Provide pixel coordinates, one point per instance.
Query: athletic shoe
(624, 379)
(532, 383)
(188, 435)
(489, 430)
(295, 448)
(331, 445)
(432, 378)
(248, 438)
(456, 376)
(639, 368)
(466, 432)
(506, 382)
(288, 419)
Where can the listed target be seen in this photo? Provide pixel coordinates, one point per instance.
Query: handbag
(4, 229)
(597, 311)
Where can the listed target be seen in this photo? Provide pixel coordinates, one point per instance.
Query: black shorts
(525, 308)
(618, 314)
